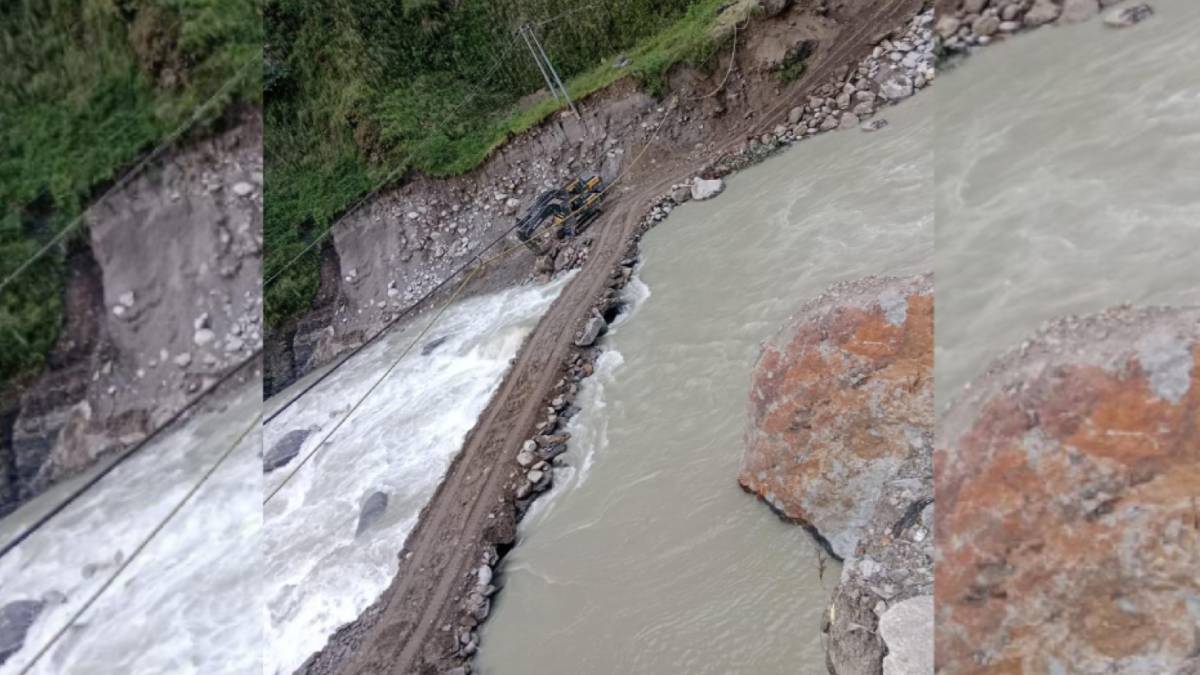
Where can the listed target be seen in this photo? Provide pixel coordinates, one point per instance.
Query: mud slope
(472, 509)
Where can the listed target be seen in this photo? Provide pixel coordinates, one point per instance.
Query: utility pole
(549, 74)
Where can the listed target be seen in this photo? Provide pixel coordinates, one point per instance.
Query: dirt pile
(162, 299)
(1066, 483)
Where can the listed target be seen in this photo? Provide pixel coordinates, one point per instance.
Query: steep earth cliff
(163, 297)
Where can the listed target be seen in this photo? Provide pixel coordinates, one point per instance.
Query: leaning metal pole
(538, 61)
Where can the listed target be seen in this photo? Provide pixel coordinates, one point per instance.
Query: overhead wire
(449, 301)
(154, 532)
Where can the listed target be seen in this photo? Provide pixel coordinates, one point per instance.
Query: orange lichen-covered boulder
(1068, 492)
(840, 398)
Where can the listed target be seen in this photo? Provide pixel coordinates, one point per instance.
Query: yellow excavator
(566, 211)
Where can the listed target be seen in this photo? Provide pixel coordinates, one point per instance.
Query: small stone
(242, 188)
(182, 360)
(1124, 17)
(203, 337)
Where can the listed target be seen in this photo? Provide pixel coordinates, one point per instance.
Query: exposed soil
(412, 627)
(162, 298)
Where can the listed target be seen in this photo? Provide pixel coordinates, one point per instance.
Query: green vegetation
(360, 92)
(87, 86)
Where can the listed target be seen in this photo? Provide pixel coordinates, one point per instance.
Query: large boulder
(841, 440)
(840, 398)
(1067, 521)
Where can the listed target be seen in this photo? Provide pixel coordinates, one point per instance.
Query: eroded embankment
(386, 256)
(162, 299)
(426, 620)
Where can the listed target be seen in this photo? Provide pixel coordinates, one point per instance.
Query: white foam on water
(319, 573)
(188, 603)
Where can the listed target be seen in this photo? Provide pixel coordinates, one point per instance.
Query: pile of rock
(841, 441)
(477, 605)
(979, 22)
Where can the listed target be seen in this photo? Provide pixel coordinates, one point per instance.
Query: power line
(125, 179)
(386, 180)
(143, 544)
(483, 265)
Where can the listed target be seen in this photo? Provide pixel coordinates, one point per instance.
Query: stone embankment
(1067, 474)
(162, 300)
(964, 25)
(840, 440)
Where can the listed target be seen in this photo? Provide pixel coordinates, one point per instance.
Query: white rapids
(320, 571)
(187, 603)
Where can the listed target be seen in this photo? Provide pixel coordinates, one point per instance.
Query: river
(320, 570)
(189, 602)
(1068, 166)
(647, 557)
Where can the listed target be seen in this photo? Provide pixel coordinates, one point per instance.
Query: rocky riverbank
(162, 299)
(966, 24)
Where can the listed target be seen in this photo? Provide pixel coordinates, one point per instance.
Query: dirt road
(411, 629)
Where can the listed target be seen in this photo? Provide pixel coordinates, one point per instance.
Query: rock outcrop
(841, 440)
(840, 399)
(1067, 474)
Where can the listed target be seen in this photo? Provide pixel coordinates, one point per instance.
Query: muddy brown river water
(647, 557)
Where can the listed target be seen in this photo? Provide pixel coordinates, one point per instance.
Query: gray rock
(849, 120)
(16, 618)
(706, 189)
(795, 114)
(986, 25)
(974, 6)
(907, 630)
(372, 510)
(242, 189)
(1042, 12)
(1124, 17)
(592, 330)
(895, 86)
(285, 449)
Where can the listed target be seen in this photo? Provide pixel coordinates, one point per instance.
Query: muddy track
(404, 632)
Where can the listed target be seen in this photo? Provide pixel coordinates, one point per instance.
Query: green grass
(87, 87)
(433, 90)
